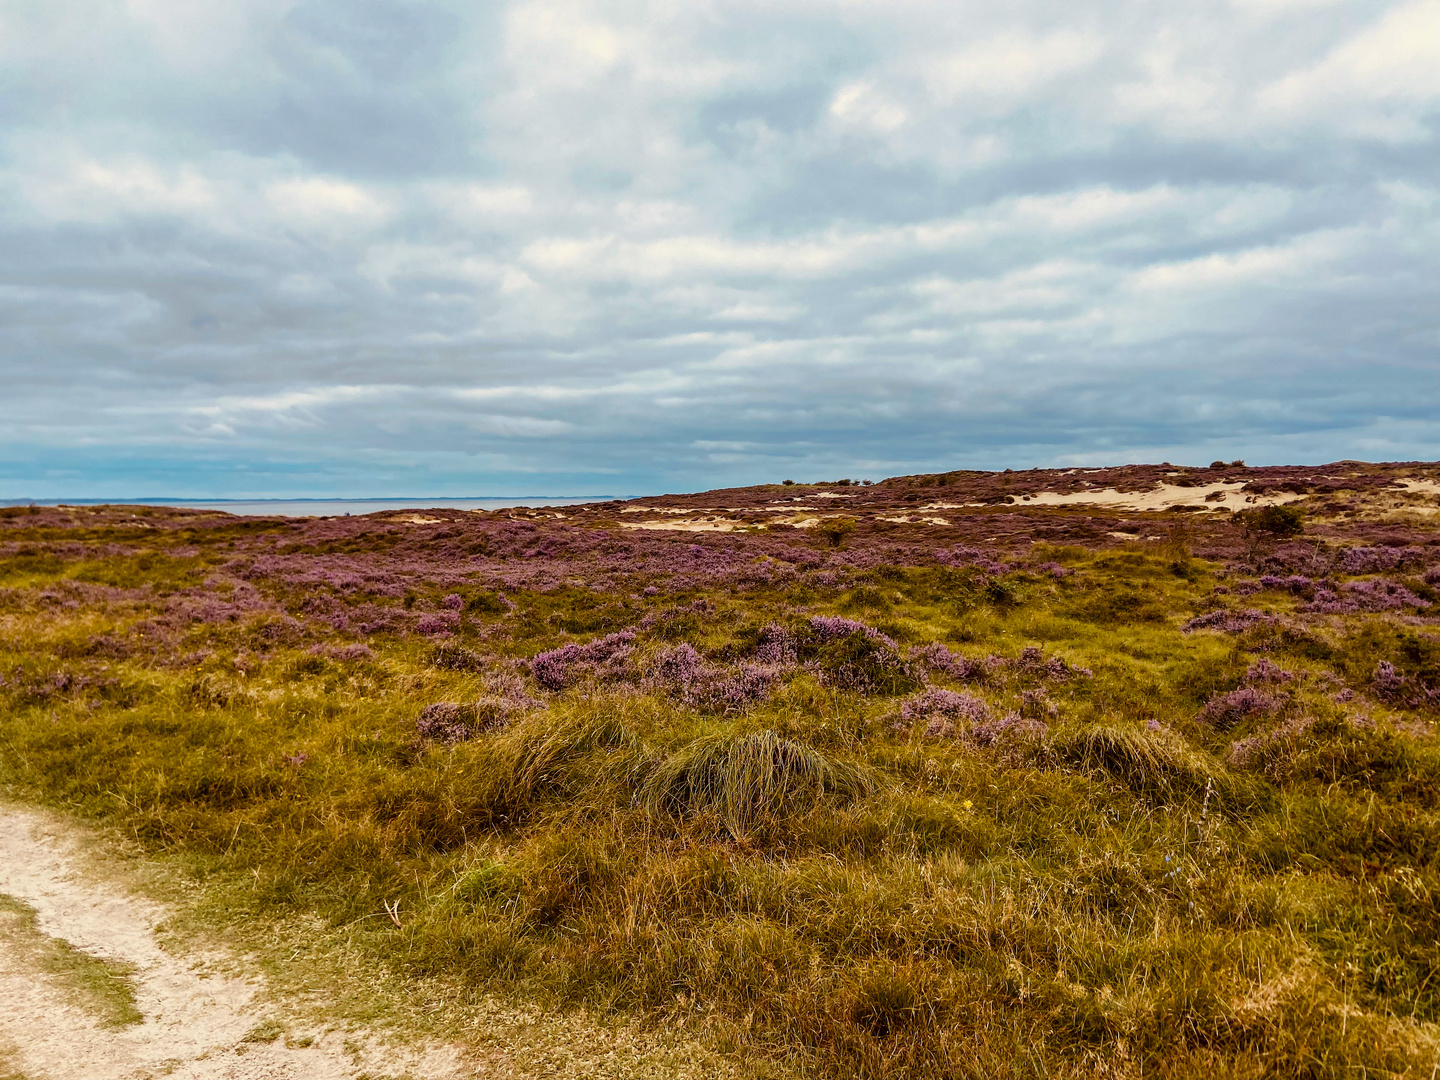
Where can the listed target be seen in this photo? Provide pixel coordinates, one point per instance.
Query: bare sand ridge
(1218, 496)
(199, 1022)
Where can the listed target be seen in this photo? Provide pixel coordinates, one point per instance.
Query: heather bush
(1013, 733)
(1224, 711)
(558, 668)
(864, 663)
(683, 673)
(938, 658)
(450, 722)
(940, 708)
(1227, 621)
(1298, 584)
(1267, 671)
(776, 646)
(1359, 596)
(1377, 560)
(452, 656)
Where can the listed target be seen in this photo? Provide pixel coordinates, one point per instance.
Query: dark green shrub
(866, 664)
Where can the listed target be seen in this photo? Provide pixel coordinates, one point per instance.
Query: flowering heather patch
(683, 673)
(1396, 688)
(1228, 621)
(1226, 710)
(984, 561)
(1298, 584)
(437, 622)
(680, 666)
(1374, 594)
(1033, 661)
(450, 722)
(558, 668)
(937, 657)
(1260, 749)
(1267, 671)
(1011, 730)
(777, 646)
(830, 628)
(1375, 560)
(854, 656)
(946, 703)
(444, 722)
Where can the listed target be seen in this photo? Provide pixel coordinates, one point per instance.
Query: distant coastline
(328, 507)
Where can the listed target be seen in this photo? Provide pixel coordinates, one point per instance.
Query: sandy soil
(721, 524)
(1421, 487)
(201, 1022)
(205, 1017)
(1210, 496)
(700, 525)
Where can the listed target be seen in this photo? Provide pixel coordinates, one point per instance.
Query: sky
(385, 247)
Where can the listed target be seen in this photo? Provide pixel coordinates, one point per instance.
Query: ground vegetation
(1020, 790)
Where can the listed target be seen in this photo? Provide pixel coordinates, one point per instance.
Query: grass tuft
(748, 781)
(1157, 763)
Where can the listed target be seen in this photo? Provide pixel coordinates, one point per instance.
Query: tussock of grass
(748, 780)
(1157, 763)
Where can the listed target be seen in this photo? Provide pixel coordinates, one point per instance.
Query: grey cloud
(278, 247)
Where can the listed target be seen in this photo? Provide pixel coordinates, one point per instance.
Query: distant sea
(331, 507)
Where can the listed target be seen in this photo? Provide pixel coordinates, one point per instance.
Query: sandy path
(196, 1018)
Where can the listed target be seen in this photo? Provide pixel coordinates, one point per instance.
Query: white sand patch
(702, 525)
(1420, 487)
(196, 1018)
(1215, 496)
(829, 495)
(903, 520)
(416, 519)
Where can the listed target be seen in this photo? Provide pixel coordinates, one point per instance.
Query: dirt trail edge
(195, 1022)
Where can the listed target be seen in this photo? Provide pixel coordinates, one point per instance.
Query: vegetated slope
(996, 788)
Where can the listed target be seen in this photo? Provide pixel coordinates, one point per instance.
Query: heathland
(1115, 772)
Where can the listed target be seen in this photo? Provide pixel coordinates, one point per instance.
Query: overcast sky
(374, 247)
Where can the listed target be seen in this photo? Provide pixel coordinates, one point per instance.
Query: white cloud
(1396, 60)
(861, 106)
(59, 182)
(325, 203)
(1010, 65)
(559, 44)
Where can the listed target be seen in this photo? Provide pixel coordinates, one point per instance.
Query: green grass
(805, 881)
